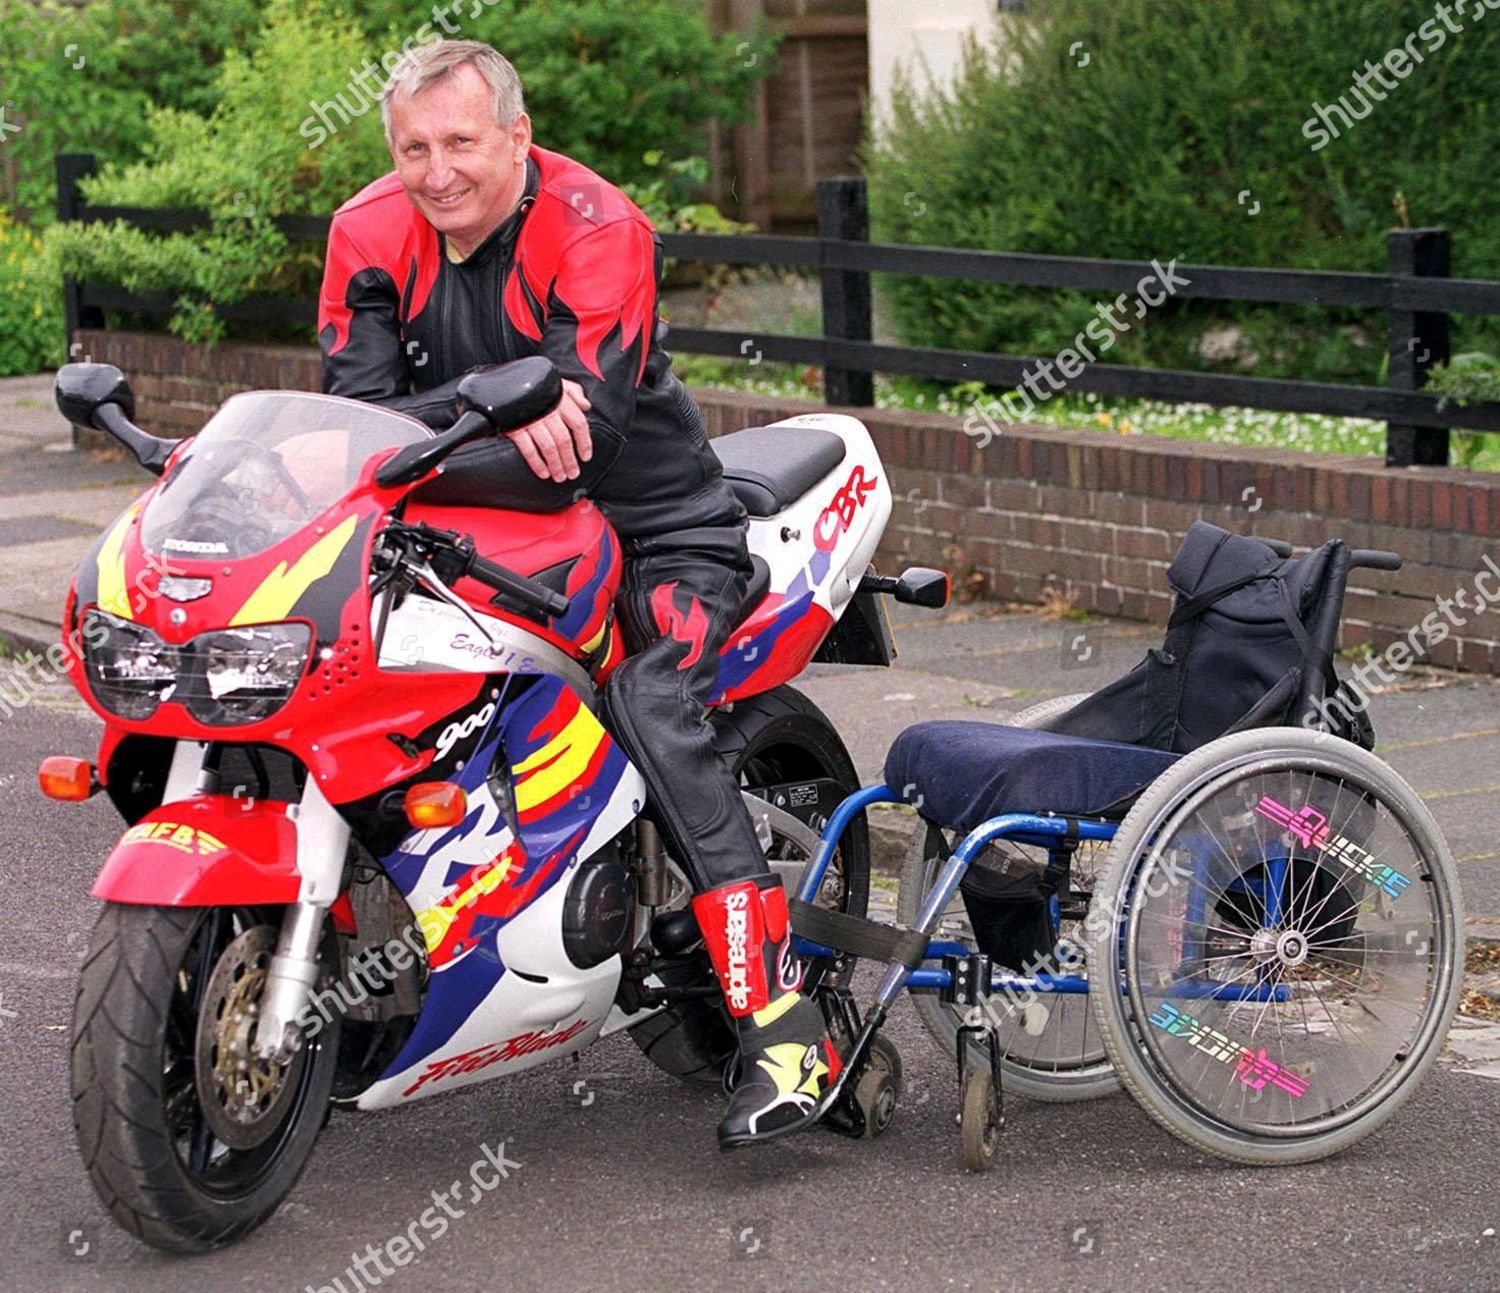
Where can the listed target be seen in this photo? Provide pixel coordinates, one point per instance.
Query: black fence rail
(1416, 294)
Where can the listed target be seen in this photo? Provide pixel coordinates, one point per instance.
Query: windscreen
(267, 464)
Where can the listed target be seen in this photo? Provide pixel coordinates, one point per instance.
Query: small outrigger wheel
(981, 1116)
(871, 1085)
(979, 1122)
(876, 1097)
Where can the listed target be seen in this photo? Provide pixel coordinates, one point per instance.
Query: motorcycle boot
(786, 1060)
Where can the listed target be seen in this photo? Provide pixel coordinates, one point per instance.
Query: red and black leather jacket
(574, 275)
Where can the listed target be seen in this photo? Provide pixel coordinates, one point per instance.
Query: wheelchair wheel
(1050, 1049)
(1286, 922)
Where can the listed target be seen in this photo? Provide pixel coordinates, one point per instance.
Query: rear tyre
(1052, 1049)
(769, 740)
(185, 1148)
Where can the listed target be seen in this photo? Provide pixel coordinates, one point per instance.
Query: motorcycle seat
(769, 468)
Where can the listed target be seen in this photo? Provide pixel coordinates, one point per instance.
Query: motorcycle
(378, 844)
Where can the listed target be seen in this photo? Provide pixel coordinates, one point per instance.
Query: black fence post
(72, 167)
(844, 214)
(1418, 340)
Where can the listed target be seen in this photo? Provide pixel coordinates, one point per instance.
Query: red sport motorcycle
(378, 844)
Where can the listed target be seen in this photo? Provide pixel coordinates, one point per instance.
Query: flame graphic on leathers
(690, 629)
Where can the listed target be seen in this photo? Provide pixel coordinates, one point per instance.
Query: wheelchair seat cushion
(959, 774)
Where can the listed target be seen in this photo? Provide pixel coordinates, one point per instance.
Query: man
(481, 248)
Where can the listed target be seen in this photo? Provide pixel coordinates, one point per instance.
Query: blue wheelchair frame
(1020, 828)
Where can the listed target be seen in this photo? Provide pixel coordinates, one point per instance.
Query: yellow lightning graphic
(279, 591)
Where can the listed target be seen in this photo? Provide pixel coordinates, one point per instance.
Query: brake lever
(427, 578)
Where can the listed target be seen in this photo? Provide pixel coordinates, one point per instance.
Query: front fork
(322, 847)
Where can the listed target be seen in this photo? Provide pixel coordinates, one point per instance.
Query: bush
(1469, 378)
(81, 78)
(245, 164)
(31, 319)
(1145, 152)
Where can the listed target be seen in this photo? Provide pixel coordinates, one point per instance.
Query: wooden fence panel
(813, 107)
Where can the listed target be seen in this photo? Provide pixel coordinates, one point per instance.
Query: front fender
(208, 851)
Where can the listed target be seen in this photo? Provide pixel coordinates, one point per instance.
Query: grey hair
(425, 64)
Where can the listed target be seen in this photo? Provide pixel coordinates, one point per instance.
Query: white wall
(913, 34)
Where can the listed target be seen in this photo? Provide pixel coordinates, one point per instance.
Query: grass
(788, 304)
(1239, 426)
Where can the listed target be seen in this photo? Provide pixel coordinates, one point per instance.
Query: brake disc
(242, 1097)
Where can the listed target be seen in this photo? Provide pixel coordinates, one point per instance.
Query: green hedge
(1145, 149)
(81, 78)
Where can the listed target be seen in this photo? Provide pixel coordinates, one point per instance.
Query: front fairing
(215, 545)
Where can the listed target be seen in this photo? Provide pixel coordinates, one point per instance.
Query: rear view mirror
(82, 389)
(98, 396)
(509, 396)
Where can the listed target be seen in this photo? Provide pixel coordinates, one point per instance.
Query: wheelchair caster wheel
(979, 1122)
(876, 1097)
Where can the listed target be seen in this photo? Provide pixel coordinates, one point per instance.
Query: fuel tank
(574, 552)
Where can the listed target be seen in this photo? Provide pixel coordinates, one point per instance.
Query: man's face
(462, 170)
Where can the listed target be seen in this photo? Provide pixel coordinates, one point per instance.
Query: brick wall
(1094, 517)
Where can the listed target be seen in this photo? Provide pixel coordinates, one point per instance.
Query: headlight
(224, 677)
(244, 675)
(130, 668)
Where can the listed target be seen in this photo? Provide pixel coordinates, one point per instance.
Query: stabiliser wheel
(884, 1055)
(979, 1120)
(1285, 917)
(188, 1139)
(876, 1097)
(779, 745)
(1050, 1049)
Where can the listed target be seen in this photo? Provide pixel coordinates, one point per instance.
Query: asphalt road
(621, 1187)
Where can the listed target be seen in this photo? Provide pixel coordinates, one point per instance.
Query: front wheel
(189, 1140)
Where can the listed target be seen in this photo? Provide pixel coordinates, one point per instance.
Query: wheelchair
(1197, 882)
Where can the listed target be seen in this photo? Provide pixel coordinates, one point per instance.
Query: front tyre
(188, 1140)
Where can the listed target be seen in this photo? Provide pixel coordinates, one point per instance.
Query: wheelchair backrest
(1249, 644)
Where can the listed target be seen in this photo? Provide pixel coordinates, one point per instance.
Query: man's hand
(554, 445)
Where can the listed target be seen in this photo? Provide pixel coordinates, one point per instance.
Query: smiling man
(482, 248)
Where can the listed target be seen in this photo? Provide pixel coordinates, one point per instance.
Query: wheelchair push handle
(1375, 559)
(1368, 558)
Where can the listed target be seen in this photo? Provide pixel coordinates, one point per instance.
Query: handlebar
(520, 587)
